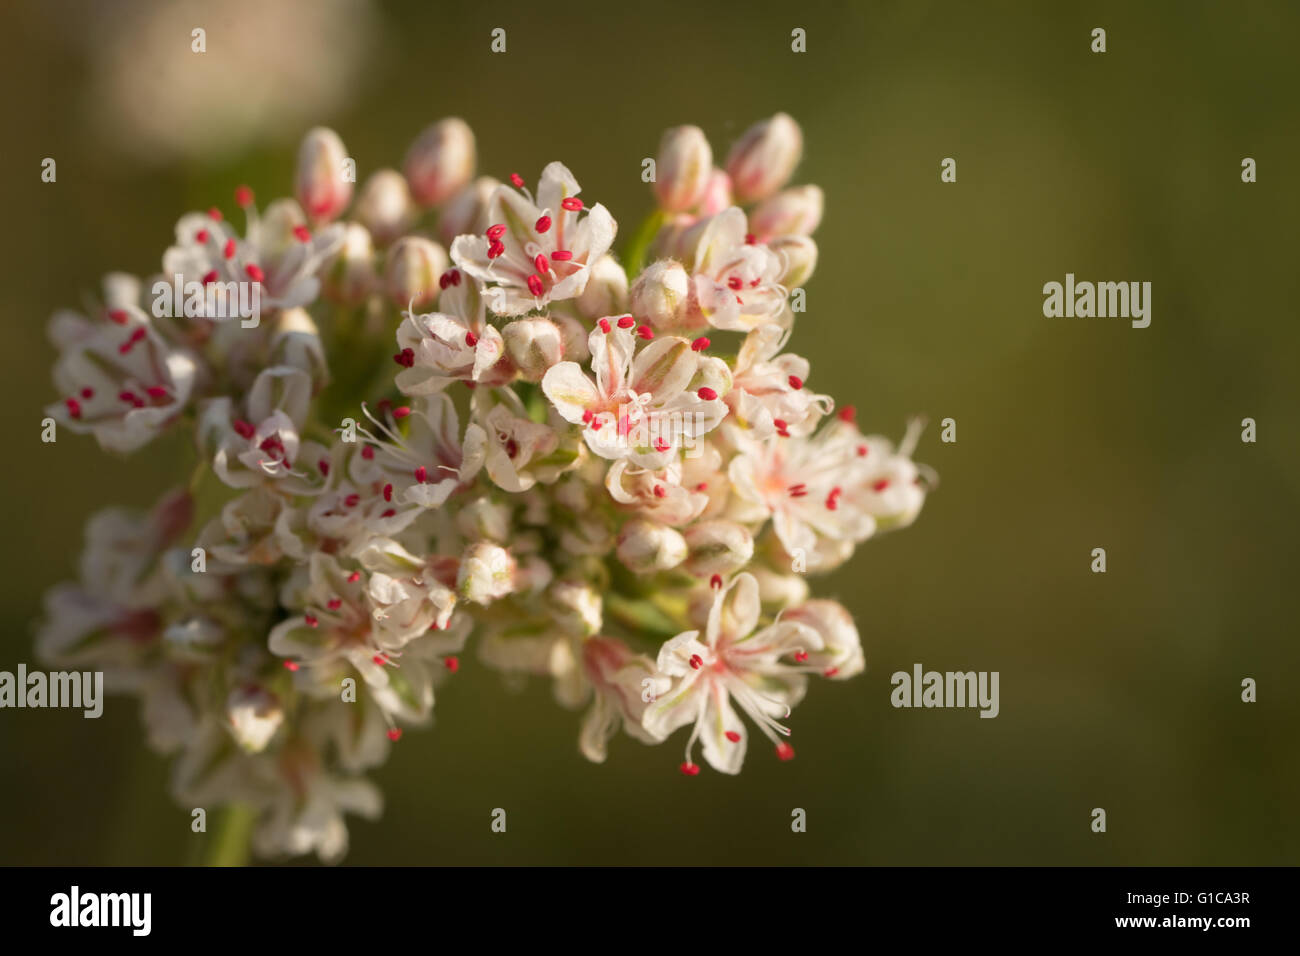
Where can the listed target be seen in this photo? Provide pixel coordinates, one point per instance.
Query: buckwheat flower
(412, 271)
(261, 526)
(385, 206)
(661, 296)
(122, 382)
(606, 291)
(798, 255)
(441, 161)
(308, 816)
(658, 494)
(718, 547)
(454, 344)
(349, 276)
(841, 652)
(534, 254)
(791, 212)
(647, 547)
(732, 661)
(519, 451)
(640, 407)
(427, 464)
(487, 572)
(409, 594)
(467, 211)
(254, 715)
(734, 281)
(762, 160)
(347, 516)
(321, 182)
(682, 168)
(534, 344)
(769, 392)
(618, 678)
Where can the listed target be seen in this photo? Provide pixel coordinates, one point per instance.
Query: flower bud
(295, 341)
(798, 255)
(467, 212)
(440, 161)
(660, 293)
(534, 344)
(254, 715)
(384, 206)
(841, 654)
(578, 607)
(647, 546)
(779, 590)
(486, 573)
(762, 160)
(606, 292)
(573, 336)
(791, 212)
(718, 547)
(682, 168)
(320, 182)
(717, 194)
(350, 277)
(414, 266)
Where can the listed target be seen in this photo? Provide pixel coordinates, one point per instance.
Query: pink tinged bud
(467, 210)
(660, 295)
(350, 277)
(385, 207)
(606, 291)
(440, 163)
(534, 344)
(798, 258)
(718, 547)
(414, 266)
(717, 194)
(791, 212)
(322, 182)
(646, 547)
(763, 159)
(682, 168)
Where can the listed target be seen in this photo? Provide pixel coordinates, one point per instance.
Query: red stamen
(543, 224)
(700, 344)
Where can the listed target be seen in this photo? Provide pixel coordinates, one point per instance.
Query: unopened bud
(534, 344)
(798, 255)
(578, 606)
(350, 277)
(717, 194)
(841, 653)
(295, 341)
(440, 161)
(763, 158)
(414, 267)
(791, 212)
(384, 206)
(320, 183)
(660, 293)
(682, 168)
(253, 715)
(606, 292)
(718, 547)
(645, 547)
(779, 590)
(467, 212)
(486, 573)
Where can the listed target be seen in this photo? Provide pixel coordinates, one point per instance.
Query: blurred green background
(1119, 690)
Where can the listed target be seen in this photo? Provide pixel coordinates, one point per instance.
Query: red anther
(690, 769)
(595, 425)
(535, 285)
(444, 280)
(228, 250)
(243, 196)
(512, 448)
(311, 620)
(795, 382)
(700, 344)
(214, 214)
(660, 490)
(800, 656)
(571, 203)
(833, 499)
(561, 255)
(291, 665)
(243, 429)
(733, 736)
(334, 604)
(201, 236)
(543, 224)
(421, 475)
(798, 490)
(782, 427)
(753, 283)
(645, 332)
(354, 577)
(405, 358)
(517, 180)
(380, 659)
(626, 322)
(452, 663)
(395, 734)
(848, 413)
(750, 239)
(74, 407)
(862, 451)
(351, 501)
(785, 751)
(388, 492)
(471, 339)
(496, 232)
(155, 391)
(87, 393)
(255, 272)
(496, 249)
(119, 316)
(324, 466)
(388, 513)
(604, 325)
(210, 276)
(302, 233)
(880, 485)
(696, 661)
(702, 486)
(587, 416)
(368, 452)
(455, 276)
(542, 263)
(706, 393)
(715, 581)
(401, 411)
(734, 283)
(830, 672)
(661, 444)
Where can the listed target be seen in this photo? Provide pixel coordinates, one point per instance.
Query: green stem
(634, 257)
(229, 843)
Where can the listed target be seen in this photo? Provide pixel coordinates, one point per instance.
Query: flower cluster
(459, 419)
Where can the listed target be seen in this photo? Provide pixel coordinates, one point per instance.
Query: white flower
(735, 281)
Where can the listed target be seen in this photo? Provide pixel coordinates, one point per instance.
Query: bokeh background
(1119, 690)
